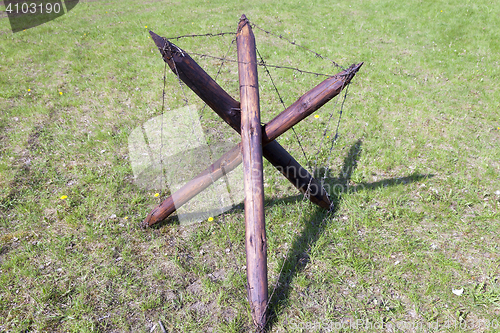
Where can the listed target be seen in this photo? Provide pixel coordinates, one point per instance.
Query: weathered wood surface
(251, 140)
(228, 109)
(199, 81)
(305, 105)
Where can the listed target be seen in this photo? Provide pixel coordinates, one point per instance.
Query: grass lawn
(412, 244)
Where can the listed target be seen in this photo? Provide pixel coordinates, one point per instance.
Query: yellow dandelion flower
(498, 128)
(441, 11)
(64, 197)
(125, 218)
(157, 195)
(327, 136)
(60, 93)
(210, 219)
(316, 116)
(146, 26)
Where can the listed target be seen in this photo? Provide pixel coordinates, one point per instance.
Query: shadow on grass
(298, 256)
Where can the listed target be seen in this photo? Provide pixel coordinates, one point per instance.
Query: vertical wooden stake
(251, 138)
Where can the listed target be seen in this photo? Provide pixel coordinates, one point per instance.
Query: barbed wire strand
(186, 101)
(294, 43)
(267, 32)
(260, 64)
(275, 287)
(176, 72)
(334, 139)
(161, 129)
(282, 103)
(228, 238)
(302, 203)
(306, 194)
(218, 72)
(203, 35)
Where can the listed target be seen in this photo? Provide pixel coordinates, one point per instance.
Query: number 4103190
(33, 8)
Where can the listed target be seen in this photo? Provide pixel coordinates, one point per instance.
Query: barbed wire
(203, 35)
(282, 103)
(177, 74)
(336, 64)
(294, 43)
(275, 286)
(161, 129)
(261, 64)
(335, 137)
(219, 71)
(254, 25)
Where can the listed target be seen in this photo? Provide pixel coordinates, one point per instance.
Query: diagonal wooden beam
(228, 109)
(304, 106)
(199, 81)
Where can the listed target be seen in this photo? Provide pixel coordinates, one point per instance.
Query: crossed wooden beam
(257, 141)
(229, 110)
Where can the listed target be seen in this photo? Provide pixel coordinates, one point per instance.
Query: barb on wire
(294, 43)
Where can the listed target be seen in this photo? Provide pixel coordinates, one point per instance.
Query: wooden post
(304, 106)
(251, 139)
(228, 109)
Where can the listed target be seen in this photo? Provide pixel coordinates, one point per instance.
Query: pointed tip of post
(350, 72)
(355, 68)
(159, 41)
(243, 22)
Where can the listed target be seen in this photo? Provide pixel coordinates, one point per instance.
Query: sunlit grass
(414, 174)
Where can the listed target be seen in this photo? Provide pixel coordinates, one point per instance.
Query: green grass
(417, 157)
